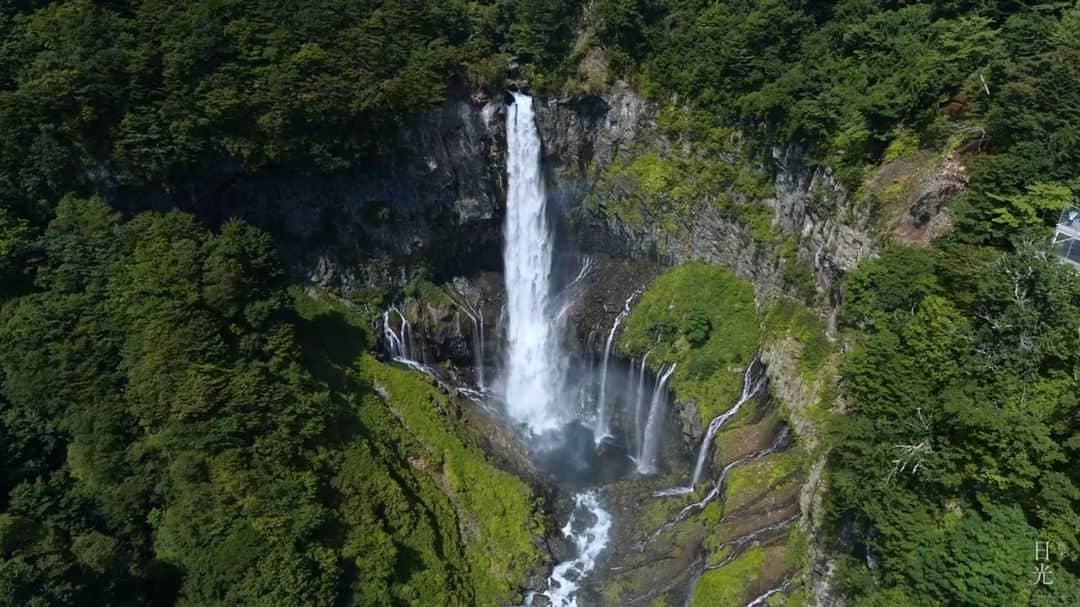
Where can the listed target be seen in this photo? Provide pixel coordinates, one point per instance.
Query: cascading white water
(760, 601)
(739, 543)
(639, 435)
(476, 316)
(646, 461)
(749, 389)
(588, 542)
(397, 341)
(566, 297)
(535, 372)
(480, 351)
(777, 444)
(603, 426)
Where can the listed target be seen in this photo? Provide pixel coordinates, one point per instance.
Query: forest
(180, 425)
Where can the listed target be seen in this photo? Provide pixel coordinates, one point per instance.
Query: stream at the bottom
(588, 530)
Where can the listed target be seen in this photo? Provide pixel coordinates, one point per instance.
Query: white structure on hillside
(1067, 236)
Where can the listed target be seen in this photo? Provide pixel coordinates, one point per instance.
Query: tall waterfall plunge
(615, 427)
(535, 370)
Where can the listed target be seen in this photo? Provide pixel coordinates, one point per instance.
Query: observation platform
(1067, 237)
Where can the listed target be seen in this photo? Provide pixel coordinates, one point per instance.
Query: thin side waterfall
(699, 570)
(750, 388)
(586, 267)
(639, 435)
(646, 463)
(535, 375)
(738, 545)
(760, 601)
(397, 341)
(500, 324)
(629, 396)
(480, 351)
(476, 316)
(603, 426)
(777, 444)
(567, 294)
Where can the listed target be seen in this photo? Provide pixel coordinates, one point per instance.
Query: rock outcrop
(434, 199)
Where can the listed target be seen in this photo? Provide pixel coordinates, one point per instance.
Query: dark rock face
(435, 198)
(584, 134)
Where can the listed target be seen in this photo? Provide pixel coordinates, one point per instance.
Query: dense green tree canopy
(151, 90)
(178, 428)
(166, 440)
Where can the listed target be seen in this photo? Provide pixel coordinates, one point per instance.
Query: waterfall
(480, 354)
(535, 375)
(646, 463)
(739, 544)
(397, 341)
(629, 397)
(760, 601)
(749, 390)
(588, 543)
(777, 444)
(476, 316)
(638, 430)
(603, 429)
(500, 323)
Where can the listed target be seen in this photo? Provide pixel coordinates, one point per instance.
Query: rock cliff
(432, 206)
(433, 199)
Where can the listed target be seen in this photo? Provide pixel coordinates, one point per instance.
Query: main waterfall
(535, 369)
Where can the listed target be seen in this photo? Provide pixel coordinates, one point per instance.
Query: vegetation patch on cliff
(663, 189)
(789, 319)
(497, 511)
(727, 586)
(703, 319)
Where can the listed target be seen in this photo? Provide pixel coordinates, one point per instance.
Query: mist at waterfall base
(587, 416)
(574, 405)
(563, 401)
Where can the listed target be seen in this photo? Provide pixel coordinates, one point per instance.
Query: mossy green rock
(703, 318)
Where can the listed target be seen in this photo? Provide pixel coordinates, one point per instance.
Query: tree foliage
(95, 94)
(176, 432)
(957, 450)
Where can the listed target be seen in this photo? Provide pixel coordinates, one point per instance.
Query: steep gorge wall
(832, 233)
(436, 200)
(433, 198)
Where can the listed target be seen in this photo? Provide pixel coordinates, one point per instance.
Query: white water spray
(603, 425)
(639, 435)
(535, 372)
(646, 463)
(749, 389)
(588, 543)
